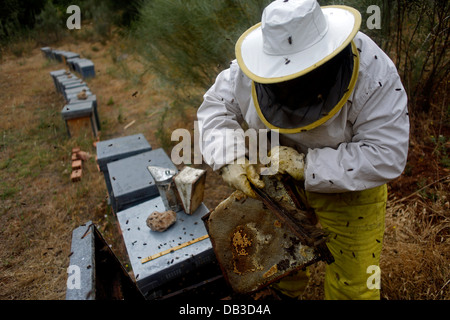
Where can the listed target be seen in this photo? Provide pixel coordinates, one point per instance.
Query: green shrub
(415, 33)
(186, 43)
(50, 23)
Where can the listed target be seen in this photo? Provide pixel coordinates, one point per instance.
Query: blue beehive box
(119, 148)
(141, 243)
(69, 87)
(92, 98)
(131, 182)
(71, 84)
(66, 55)
(56, 74)
(46, 52)
(71, 63)
(78, 117)
(85, 68)
(57, 55)
(65, 78)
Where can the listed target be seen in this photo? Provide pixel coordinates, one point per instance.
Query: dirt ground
(40, 206)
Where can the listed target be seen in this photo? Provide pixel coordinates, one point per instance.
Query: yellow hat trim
(259, 79)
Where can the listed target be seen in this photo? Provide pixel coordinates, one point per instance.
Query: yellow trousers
(355, 222)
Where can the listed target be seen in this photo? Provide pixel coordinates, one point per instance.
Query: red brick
(76, 175)
(76, 164)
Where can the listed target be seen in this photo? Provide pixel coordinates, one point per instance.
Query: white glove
(288, 160)
(239, 176)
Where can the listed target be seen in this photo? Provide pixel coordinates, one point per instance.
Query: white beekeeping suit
(363, 146)
(340, 108)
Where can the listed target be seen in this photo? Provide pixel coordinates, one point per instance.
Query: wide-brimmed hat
(293, 38)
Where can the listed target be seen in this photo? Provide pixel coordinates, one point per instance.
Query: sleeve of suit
(378, 150)
(222, 139)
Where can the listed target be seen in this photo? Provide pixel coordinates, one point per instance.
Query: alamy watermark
(74, 278)
(74, 20)
(225, 146)
(374, 280)
(374, 20)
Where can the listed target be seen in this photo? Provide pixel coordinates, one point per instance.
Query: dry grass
(40, 207)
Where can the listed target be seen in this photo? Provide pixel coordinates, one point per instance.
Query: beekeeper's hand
(239, 175)
(287, 160)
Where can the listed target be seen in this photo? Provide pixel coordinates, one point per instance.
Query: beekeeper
(340, 108)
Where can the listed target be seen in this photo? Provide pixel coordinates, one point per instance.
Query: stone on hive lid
(161, 221)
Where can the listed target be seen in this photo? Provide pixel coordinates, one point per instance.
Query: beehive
(119, 148)
(141, 243)
(46, 52)
(92, 98)
(55, 75)
(66, 55)
(131, 182)
(79, 119)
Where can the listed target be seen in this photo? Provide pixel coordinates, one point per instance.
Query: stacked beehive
(134, 195)
(84, 67)
(133, 192)
(80, 109)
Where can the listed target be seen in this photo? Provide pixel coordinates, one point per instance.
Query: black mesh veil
(304, 100)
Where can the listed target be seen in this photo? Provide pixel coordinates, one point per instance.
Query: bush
(186, 43)
(415, 35)
(50, 23)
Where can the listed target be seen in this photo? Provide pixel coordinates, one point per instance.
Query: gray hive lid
(141, 243)
(92, 98)
(119, 148)
(70, 55)
(58, 73)
(57, 54)
(65, 77)
(60, 80)
(85, 63)
(70, 96)
(73, 111)
(132, 182)
(76, 61)
(72, 85)
(76, 90)
(70, 93)
(69, 81)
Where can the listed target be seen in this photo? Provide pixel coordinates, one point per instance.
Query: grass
(40, 206)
